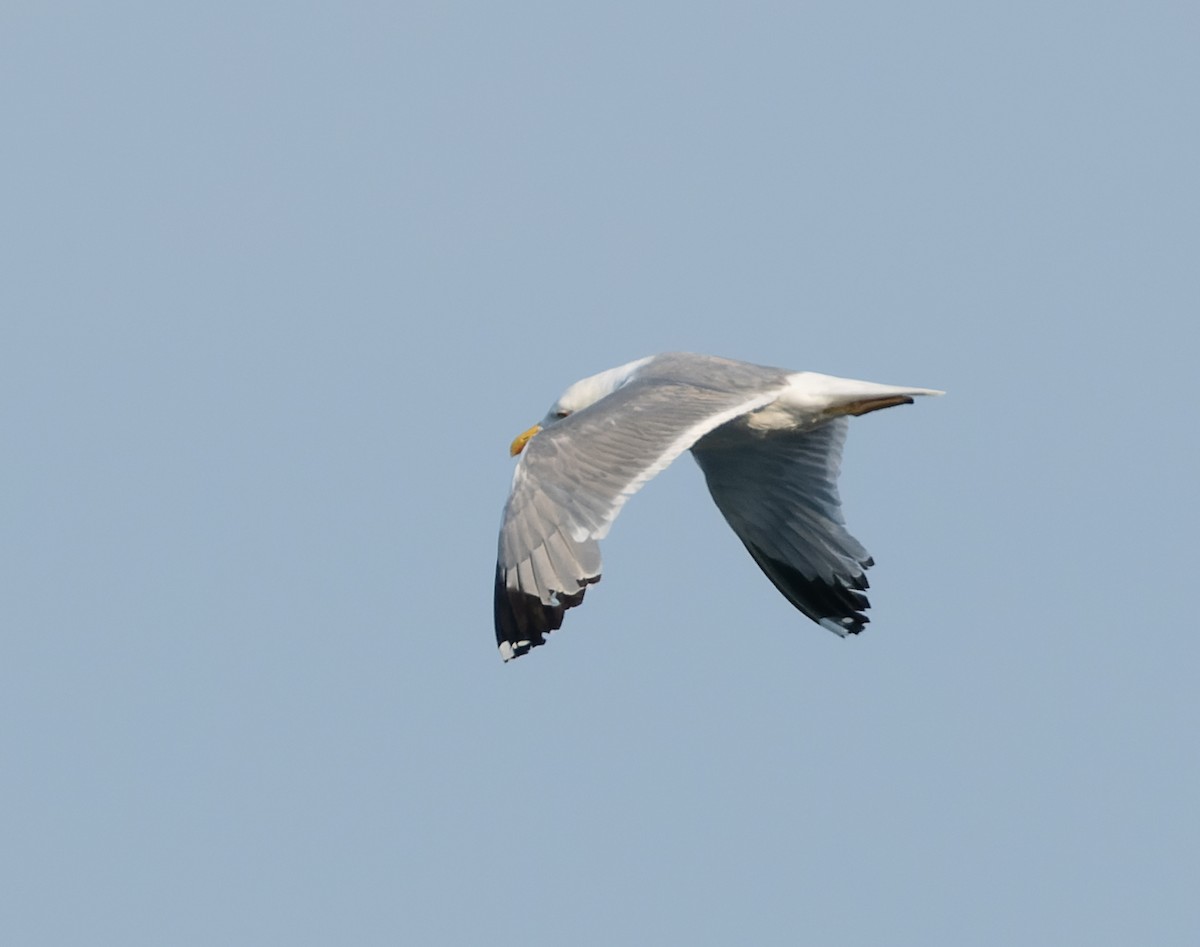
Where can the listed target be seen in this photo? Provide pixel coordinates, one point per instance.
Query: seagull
(768, 440)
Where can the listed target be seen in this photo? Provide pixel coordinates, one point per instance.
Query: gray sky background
(282, 281)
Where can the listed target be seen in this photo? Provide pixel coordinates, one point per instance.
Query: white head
(582, 394)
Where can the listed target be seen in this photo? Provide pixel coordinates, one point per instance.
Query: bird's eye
(561, 414)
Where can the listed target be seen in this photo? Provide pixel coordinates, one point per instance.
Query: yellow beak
(522, 439)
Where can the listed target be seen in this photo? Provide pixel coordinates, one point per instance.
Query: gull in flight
(769, 442)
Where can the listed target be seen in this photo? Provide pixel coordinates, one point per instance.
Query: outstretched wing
(779, 493)
(571, 482)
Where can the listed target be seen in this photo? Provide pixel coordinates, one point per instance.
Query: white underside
(811, 398)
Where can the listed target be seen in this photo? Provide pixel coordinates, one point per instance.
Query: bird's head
(582, 394)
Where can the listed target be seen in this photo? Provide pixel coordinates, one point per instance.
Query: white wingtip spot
(508, 651)
(835, 626)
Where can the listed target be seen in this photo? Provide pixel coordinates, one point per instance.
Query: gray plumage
(768, 441)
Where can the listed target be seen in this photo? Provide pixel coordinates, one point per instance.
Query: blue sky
(283, 281)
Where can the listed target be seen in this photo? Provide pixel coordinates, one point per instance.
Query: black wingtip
(838, 604)
(524, 620)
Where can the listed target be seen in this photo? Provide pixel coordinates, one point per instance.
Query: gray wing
(571, 482)
(779, 493)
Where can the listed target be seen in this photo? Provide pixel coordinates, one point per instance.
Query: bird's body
(768, 441)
